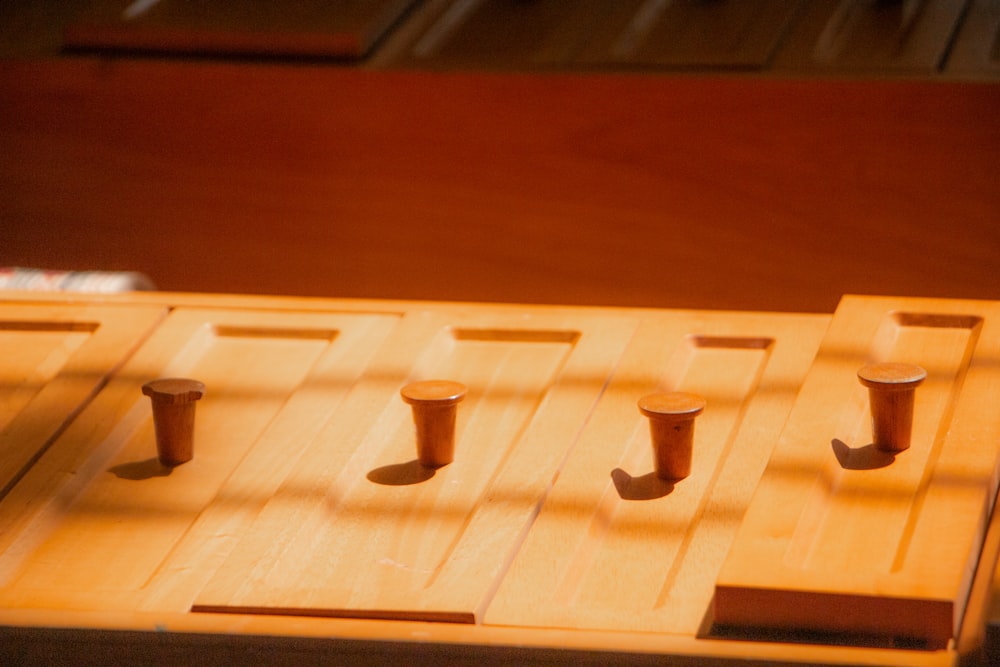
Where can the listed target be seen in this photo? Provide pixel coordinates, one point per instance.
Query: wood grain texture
(616, 548)
(98, 523)
(72, 505)
(739, 193)
(381, 536)
(53, 361)
(843, 537)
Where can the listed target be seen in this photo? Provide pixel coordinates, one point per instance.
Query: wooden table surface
(728, 192)
(303, 530)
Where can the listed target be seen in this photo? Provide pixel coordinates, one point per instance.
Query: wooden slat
(490, 34)
(97, 523)
(242, 27)
(54, 360)
(731, 35)
(976, 51)
(375, 534)
(910, 36)
(614, 547)
(843, 538)
(348, 408)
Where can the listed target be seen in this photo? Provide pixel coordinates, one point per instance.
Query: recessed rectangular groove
(937, 320)
(733, 342)
(53, 326)
(274, 332)
(517, 335)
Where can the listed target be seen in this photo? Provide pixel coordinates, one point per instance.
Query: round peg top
(433, 392)
(174, 390)
(671, 405)
(891, 376)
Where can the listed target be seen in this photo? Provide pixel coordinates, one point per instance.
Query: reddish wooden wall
(739, 192)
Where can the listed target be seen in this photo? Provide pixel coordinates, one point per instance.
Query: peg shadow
(868, 457)
(401, 474)
(139, 470)
(644, 487)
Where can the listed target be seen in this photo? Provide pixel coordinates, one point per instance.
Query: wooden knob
(434, 408)
(173, 417)
(890, 392)
(671, 424)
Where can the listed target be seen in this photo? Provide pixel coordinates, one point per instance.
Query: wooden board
(841, 538)
(489, 34)
(72, 512)
(54, 360)
(873, 37)
(236, 27)
(376, 535)
(99, 524)
(976, 51)
(690, 35)
(614, 547)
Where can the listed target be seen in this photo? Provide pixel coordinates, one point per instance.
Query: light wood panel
(346, 421)
(98, 523)
(383, 537)
(841, 537)
(616, 548)
(53, 361)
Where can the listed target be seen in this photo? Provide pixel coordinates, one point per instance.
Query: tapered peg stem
(891, 388)
(671, 426)
(173, 417)
(435, 406)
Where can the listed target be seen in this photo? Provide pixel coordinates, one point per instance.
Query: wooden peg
(671, 425)
(173, 417)
(434, 408)
(890, 392)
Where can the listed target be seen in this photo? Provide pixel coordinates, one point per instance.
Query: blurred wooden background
(452, 163)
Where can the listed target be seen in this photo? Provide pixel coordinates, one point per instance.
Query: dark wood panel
(845, 36)
(631, 190)
(734, 35)
(976, 51)
(499, 33)
(346, 28)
